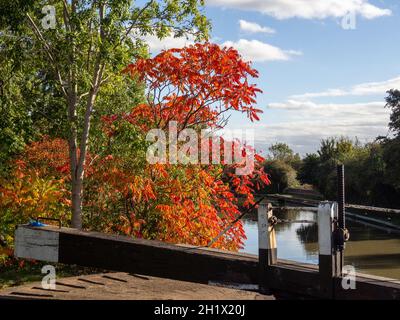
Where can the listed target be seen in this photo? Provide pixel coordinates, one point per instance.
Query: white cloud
(304, 136)
(369, 88)
(254, 50)
(253, 27)
(251, 50)
(156, 45)
(376, 87)
(306, 123)
(294, 52)
(306, 9)
(337, 110)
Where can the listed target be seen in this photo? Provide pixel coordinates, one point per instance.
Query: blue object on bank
(35, 223)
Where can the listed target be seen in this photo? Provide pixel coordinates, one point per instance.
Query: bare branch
(128, 31)
(48, 50)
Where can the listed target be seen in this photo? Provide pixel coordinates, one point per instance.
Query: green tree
(309, 169)
(320, 169)
(336, 148)
(281, 175)
(393, 102)
(28, 103)
(391, 156)
(282, 152)
(92, 41)
(391, 147)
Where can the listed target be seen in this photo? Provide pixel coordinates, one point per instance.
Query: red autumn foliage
(194, 85)
(190, 203)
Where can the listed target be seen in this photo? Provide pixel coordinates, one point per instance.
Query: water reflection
(370, 250)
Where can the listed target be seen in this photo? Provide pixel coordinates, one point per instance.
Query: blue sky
(319, 78)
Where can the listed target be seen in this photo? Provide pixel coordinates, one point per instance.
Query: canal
(370, 250)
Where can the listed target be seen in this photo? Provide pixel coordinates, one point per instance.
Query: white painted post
(267, 250)
(328, 257)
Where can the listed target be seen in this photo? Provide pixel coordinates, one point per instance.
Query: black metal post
(341, 224)
(341, 196)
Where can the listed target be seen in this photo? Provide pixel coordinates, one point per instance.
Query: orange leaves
(33, 195)
(175, 203)
(148, 192)
(192, 207)
(49, 156)
(258, 158)
(194, 85)
(178, 203)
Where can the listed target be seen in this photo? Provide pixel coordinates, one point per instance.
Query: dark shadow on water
(308, 233)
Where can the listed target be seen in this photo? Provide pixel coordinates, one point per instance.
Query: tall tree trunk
(76, 181)
(77, 187)
(78, 157)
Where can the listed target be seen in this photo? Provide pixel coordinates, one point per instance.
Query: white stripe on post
(266, 233)
(327, 211)
(263, 236)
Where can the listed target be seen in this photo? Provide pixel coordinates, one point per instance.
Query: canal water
(370, 250)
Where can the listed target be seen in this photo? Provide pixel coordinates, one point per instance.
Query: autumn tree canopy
(87, 46)
(196, 85)
(181, 203)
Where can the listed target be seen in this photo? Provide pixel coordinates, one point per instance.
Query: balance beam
(121, 253)
(184, 262)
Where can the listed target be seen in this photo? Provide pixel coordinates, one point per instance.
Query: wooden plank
(373, 209)
(373, 221)
(300, 200)
(155, 258)
(296, 208)
(131, 288)
(355, 218)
